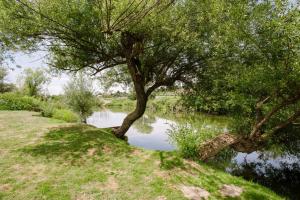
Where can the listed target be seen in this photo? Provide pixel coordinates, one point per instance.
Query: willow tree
(151, 38)
(256, 68)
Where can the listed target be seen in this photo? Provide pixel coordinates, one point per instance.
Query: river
(278, 171)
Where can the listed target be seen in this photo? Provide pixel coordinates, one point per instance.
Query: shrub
(14, 101)
(99, 102)
(165, 105)
(121, 102)
(80, 97)
(65, 115)
(47, 109)
(186, 139)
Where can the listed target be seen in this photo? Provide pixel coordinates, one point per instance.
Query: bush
(14, 101)
(80, 97)
(99, 102)
(65, 115)
(121, 102)
(47, 109)
(165, 105)
(186, 139)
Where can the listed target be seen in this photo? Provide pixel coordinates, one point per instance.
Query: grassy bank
(43, 158)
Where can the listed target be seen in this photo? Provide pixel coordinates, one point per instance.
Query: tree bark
(134, 67)
(141, 103)
(241, 144)
(213, 147)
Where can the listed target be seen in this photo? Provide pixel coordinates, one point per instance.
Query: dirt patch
(111, 184)
(3, 152)
(106, 149)
(39, 169)
(161, 174)
(141, 154)
(5, 187)
(91, 151)
(137, 152)
(194, 165)
(194, 193)
(161, 198)
(32, 173)
(231, 191)
(84, 196)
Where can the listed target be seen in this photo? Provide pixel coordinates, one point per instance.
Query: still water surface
(278, 172)
(148, 132)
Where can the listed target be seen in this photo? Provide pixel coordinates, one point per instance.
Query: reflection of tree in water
(282, 176)
(144, 124)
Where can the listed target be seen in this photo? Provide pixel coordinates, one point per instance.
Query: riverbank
(162, 104)
(42, 158)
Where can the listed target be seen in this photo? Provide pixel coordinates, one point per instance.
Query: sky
(38, 60)
(35, 60)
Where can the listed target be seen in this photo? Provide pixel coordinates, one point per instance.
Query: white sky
(35, 60)
(38, 60)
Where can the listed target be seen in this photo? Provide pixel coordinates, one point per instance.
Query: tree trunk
(134, 68)
(132, 117)
(241, 144)
(212, 147)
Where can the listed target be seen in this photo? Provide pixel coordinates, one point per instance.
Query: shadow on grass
(169, 160)
(78, 141)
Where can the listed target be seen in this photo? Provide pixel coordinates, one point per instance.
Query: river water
(280, 172)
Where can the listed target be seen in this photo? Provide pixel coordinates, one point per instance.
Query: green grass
(42, 158)
(65, 115)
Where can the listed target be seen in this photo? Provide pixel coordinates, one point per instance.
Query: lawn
(42, 158)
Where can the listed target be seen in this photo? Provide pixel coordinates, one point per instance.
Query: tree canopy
(154, 39)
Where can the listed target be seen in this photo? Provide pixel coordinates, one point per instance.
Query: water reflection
(149, 132)
(281, 173)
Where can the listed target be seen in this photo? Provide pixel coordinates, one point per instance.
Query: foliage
(80, 97)
(99, 102)
(165, 104)
(186, 139)
(47, 109)
(3, 74)
(5, 87)
(121, 102)
(33, 81)
(15, 101)
(54, 109)
(65, 115)
(116, 77)
(254, 73)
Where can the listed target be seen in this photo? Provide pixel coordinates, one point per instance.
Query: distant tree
(32, 81)
(79, 96)
(5, 87)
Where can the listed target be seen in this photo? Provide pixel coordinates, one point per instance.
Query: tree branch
(282, 125)
(272, 112)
